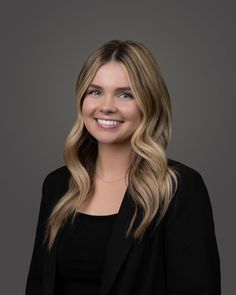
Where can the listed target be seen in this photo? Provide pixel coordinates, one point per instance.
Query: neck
(113, 160)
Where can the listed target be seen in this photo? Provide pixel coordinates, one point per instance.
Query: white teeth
(108, 122)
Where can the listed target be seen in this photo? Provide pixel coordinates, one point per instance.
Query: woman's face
(110, 111)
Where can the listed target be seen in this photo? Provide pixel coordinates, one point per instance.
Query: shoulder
(191, 194)
(61, 173)
(183, 170)
(188, 177)
(56, 183)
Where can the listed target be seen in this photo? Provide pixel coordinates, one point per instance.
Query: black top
(81, 253)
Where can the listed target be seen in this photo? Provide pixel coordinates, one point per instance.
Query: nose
(107, 105)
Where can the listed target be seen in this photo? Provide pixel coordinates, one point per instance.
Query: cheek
(87, 108)
(133, 114)
(138, 114)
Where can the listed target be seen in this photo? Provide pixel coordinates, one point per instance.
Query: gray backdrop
(43, 45)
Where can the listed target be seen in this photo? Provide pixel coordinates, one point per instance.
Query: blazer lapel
(118, 245)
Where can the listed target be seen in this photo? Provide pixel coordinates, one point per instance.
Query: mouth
(108, 123)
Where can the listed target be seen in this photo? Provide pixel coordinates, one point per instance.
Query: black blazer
(180, 257)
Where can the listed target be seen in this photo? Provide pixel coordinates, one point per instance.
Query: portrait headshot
(118, 125)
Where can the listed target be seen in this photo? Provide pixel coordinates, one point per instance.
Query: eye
(126, 94)
(94, 92)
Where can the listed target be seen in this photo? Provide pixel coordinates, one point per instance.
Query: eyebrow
(117, 89)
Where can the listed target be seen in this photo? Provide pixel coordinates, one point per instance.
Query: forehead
(112, 74)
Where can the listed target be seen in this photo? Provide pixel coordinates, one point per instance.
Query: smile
(108, 123)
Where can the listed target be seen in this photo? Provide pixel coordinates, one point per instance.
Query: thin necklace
(109, 180)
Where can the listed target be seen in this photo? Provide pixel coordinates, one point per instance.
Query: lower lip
(108, 126)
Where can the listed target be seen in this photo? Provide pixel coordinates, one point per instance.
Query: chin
(124, 141)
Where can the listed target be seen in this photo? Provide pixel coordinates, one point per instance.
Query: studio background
(43, 45)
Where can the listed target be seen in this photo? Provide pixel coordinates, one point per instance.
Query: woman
(120, 217)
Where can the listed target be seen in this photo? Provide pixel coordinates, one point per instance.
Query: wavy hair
(151, 182)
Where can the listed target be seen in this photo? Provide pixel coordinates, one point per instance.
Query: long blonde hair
(151, 182)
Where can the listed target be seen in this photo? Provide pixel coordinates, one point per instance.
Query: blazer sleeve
(192, 258)
(34, 283)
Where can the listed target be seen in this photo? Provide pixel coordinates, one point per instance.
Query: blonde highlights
(151, 182)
